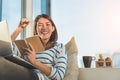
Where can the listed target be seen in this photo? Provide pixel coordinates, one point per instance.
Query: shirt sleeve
(17, 52)
(58, 70)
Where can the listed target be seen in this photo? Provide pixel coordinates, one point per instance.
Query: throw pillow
(72, 71)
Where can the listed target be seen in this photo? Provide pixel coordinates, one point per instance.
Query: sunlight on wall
(94, 23)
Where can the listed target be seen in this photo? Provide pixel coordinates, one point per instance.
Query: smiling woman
(51, 63)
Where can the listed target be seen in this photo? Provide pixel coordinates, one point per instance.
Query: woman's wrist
(34, 62)
(20, 28)
(16, 33)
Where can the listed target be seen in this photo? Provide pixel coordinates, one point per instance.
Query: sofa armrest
(12, 71)
(99, 74)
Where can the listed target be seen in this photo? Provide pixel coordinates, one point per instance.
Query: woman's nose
(44, 27)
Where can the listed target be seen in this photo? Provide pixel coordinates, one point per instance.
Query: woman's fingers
(24, 22)
(31, 55)
(27, 51)
(31, 47)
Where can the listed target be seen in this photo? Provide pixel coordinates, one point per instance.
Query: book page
(36, 43)
(21, 44)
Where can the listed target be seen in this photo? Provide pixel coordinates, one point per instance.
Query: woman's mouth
(44, 32)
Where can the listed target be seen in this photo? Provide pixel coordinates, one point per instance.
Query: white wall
(94, 23)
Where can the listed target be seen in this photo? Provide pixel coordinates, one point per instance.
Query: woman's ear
(53, 28)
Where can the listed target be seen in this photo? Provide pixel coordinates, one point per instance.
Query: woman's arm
(16, 33)
(31, 55)
(59, 69)
(42, 67)
(23, 24)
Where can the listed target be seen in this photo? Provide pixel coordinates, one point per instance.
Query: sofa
(12, 71)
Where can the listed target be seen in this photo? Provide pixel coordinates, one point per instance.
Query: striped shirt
(56, 58)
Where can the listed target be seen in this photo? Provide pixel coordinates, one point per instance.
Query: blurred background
(95, 24)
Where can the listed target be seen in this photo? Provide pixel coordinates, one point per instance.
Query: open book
(34, 41)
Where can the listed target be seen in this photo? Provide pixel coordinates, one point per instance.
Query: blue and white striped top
(56, 58)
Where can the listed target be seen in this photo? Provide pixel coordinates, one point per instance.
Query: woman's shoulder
(59, 47)
(58, 44)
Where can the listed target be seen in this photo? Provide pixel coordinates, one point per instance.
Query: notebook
(6, 49)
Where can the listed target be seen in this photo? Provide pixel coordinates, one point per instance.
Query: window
(0, 10)
(36, 8)
(45, 6)
(41, 7)
(11, 12)
(22, 8)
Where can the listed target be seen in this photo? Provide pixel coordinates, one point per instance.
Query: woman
(51, 63)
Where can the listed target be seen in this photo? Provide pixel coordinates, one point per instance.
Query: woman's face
(44, 28)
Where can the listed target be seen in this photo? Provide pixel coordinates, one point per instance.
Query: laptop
(6, 49)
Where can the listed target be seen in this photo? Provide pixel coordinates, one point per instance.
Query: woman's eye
(39, 25)
(48, 24)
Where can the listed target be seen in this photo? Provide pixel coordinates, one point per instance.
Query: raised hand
(24, 22)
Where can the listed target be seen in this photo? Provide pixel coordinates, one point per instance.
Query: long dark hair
(54, 35)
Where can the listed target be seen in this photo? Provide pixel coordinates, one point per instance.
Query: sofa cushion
(12, 71)
(72, 67)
